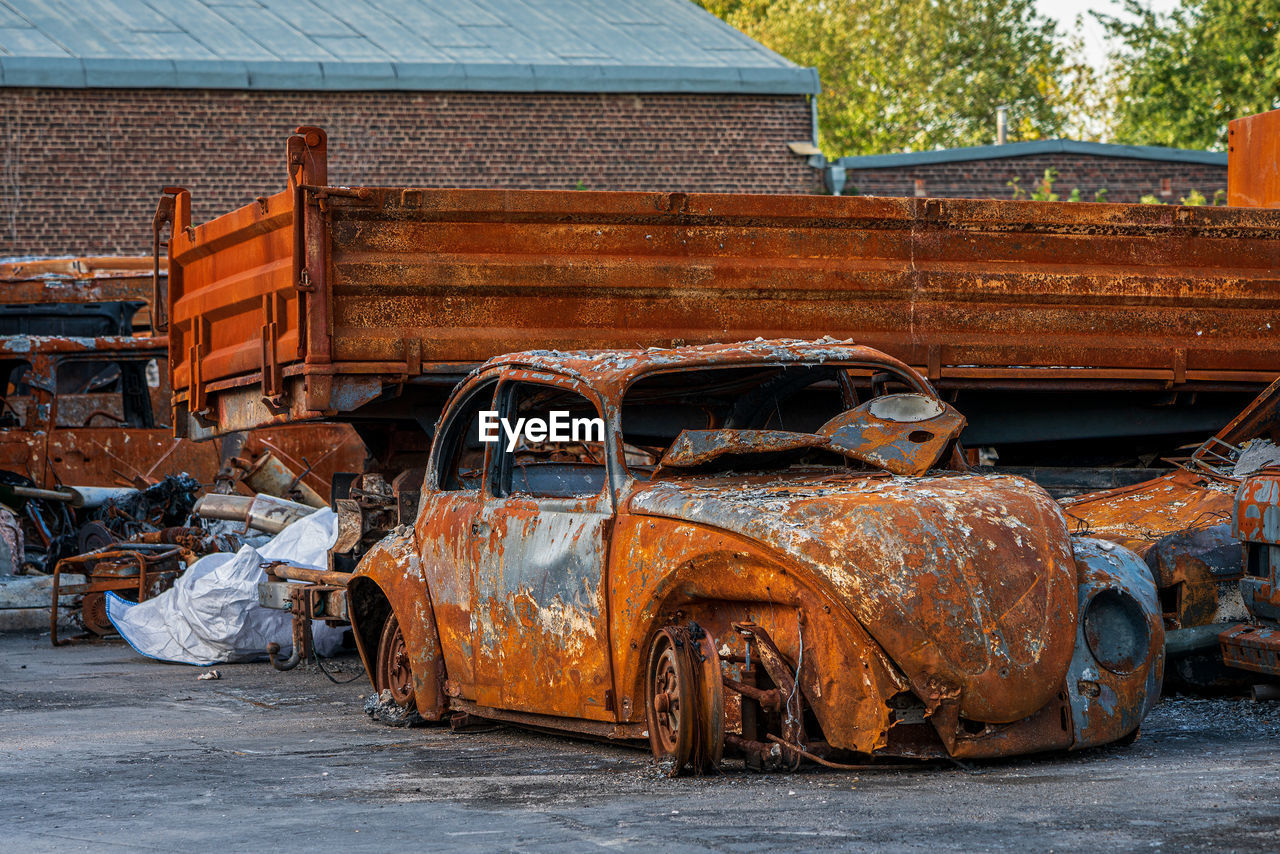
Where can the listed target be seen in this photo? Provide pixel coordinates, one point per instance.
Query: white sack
(212, 615)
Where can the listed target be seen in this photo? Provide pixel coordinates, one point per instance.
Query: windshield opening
(759, 416)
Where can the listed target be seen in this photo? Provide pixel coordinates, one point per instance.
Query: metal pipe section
(315, 576)
(92, 497)
(261, 512)
(87, 497)
(65, 495)
(231, 508)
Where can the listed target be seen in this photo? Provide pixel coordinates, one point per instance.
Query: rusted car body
(1181, 524)
(368, 303)
(775, 546)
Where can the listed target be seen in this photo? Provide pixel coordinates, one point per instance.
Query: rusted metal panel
(357, 290)
(41, 281)
(1119, 636)
(938, 613)
(1252, 647)
(1139, 515)
(1253, 161)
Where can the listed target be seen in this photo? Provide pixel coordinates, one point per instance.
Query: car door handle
(479, 529)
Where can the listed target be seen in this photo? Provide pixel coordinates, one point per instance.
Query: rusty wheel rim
(668, 704)
(394, 673)
(666, 701)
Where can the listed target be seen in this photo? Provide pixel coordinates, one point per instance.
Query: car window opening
(541, 467)
(764, 419)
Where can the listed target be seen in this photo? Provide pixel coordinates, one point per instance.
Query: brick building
(104, 102)
(1126, 172)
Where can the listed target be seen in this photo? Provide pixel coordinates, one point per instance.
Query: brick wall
(82, 169)
(1125, 179)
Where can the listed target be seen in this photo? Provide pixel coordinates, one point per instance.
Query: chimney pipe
(1002, 125)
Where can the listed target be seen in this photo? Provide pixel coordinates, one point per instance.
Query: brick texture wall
(82, 169)
(1125, 179)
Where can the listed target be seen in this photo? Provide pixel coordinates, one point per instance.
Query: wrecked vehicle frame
(778, 548)
(1181, 524)
(85, 404)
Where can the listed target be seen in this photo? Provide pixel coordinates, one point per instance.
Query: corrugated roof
(493, 45)
(1025, 149)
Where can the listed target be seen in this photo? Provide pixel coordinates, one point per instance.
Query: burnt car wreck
(776, 550)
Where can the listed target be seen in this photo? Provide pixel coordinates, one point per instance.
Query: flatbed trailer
(369, 303)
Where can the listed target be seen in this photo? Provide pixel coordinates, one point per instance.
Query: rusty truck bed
(320, 301)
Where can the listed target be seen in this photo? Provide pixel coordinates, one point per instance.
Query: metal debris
(1181, 523)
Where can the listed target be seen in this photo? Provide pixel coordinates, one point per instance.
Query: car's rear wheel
(684, 701)
(393, 703)
(394, 674)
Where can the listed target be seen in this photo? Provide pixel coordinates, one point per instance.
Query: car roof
(617, 368)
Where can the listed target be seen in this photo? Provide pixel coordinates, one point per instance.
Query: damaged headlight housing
(1116, 630)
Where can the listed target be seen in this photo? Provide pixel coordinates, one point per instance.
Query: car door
(542, 552)
(448, 519)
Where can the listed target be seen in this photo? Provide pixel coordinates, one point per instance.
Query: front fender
(390, 575)
(666, 571)
(1107, 705)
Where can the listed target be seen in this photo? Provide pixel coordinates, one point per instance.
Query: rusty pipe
(273, 650)
(301, 645)
(65, 495)
(767, 698)
(302, 573)
(231, 508)
(88, 497)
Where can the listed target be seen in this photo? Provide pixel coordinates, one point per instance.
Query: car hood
(967, 581)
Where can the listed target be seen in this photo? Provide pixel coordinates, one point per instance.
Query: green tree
(1182, 76)
(915, 74)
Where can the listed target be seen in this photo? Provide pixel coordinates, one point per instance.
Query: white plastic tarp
(212, 615)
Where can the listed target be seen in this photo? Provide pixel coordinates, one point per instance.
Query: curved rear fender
(390, 578)
(1106, 706)
(664, 571)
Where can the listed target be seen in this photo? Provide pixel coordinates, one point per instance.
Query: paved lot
(103, 750)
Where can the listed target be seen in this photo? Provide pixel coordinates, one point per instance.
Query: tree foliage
(1184, 75)
(915, 74)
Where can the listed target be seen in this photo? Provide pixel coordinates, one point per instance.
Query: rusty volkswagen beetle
(773, 550)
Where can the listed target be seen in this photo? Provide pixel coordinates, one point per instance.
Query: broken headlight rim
(1116, 630)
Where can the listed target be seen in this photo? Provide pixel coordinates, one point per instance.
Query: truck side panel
(392, 286)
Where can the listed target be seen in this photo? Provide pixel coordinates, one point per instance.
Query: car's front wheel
(684, 700)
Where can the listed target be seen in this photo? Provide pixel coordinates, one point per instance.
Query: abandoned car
(1181, 524)
(772, 549)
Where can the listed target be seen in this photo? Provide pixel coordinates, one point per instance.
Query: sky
(1066, 11)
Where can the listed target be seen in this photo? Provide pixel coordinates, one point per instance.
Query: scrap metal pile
(799, 547)
(95, 490)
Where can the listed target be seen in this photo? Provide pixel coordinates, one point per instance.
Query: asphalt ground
(103, 750)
